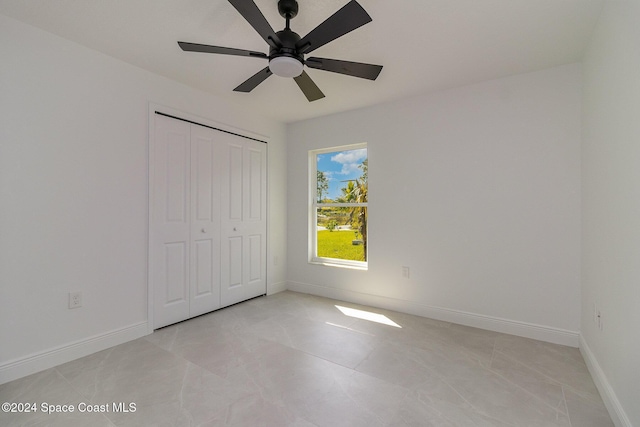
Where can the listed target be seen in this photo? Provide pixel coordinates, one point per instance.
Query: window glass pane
(342, 233)
(340, 206)
(342, 176)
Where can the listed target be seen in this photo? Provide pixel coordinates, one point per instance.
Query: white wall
(476, 189)
(73, 194)
(611, 209)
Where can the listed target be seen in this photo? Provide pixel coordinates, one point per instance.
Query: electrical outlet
(405, 272)
(75, 299)
(597, 316)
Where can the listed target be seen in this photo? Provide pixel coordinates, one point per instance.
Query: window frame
(314, 205)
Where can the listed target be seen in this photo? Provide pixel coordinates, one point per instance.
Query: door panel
(235, 262)
(255, 185)
(204, 273)
(177, 176)
(255, 224)
(169, 248)
(203, 178)
(255, 258)
(244, 226)
(205, 221)
(175, 283)
(235, 190)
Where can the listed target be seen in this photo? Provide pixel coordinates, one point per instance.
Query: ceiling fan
(287, 49)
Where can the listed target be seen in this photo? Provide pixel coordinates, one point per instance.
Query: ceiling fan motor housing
(285, 60)
(288, 40)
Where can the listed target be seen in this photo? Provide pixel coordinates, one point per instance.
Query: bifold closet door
(185, 221)
(204, 263)
(244, 225)
(170, 229)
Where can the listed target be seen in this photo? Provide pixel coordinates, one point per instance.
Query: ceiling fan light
(285, 66)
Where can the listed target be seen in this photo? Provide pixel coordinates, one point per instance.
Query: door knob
(235, 229)
(204, 230)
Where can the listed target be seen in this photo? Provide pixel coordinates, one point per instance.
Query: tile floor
(297, 360)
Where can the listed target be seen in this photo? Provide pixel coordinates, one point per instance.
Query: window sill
(362, 266)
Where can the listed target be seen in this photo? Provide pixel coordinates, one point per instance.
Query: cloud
(350, 160)
(353, 156)
(348, 168)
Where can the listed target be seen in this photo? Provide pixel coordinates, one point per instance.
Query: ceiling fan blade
(254, 80)
(345, 20)
(195, 47)
(249, 10)
(355, 69)
(308, 87)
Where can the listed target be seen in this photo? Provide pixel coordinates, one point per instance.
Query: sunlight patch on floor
(367, 315)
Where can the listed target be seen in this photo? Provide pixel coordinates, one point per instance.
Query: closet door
(208, 220)
(170, 221)
(243, 230)
(205, 221)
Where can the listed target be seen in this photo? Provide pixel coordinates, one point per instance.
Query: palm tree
(359, 213)
(356, 192)
(348, 192)
(322, 184)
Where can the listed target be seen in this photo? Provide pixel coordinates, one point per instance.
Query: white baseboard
(274, 288)
(31, 364)
(617, 413)
(507, 326)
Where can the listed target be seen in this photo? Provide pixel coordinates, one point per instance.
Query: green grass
(337, 244)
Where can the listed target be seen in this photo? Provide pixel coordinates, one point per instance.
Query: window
(338, 209)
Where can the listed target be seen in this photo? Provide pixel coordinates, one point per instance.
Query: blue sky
(341, 166)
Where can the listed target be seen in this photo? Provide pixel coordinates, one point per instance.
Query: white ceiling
(424, 45)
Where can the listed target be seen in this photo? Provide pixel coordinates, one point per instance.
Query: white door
(170, 233)
(205, 221)
(243, 230)
(208, 220)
